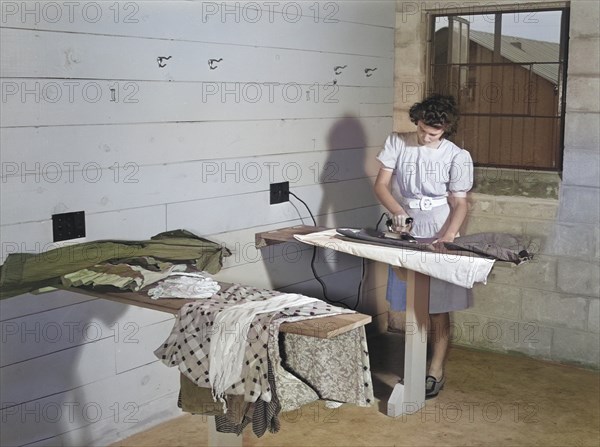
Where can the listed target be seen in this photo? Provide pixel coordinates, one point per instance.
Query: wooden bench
(320, 327)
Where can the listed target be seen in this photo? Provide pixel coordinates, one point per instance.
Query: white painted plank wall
(146, 101)
(179, 146)
(54, 55)
(351, 27)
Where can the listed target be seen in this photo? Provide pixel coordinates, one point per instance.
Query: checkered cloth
(188, 345)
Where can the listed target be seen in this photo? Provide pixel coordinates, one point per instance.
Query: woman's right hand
(401, 223)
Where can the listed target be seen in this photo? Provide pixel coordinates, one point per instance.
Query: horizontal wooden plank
(374, 12)
(118, 399)
(71, 368)
(96, 190)
(285, 234)
(242, 239)
(333, 204)
(72, 147)
(39, 54)
(137, 299)
(73, 326)
(43, 102)
(342, 279)
(29, 304)
(341, 282)
(36, 237)
(326, 327)
(310, 287)
(142, 223)
(243, 245)
(297, 168)
(129, 421)
(321, 24)
(373, 290)
(131, 354)
(276, 273)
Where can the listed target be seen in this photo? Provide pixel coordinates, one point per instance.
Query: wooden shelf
(320, 327)
(282, 235)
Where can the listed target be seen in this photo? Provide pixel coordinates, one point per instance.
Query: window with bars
(507, 72)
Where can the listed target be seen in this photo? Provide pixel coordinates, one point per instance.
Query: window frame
(497, 11)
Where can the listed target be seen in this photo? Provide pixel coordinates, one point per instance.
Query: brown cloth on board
(498, 246)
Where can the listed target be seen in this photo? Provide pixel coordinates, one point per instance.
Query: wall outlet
(68, 226)
(280, 192)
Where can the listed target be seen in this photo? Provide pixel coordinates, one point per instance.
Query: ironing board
(463, 270)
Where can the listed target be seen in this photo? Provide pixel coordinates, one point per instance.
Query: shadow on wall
(344, 185)
(57, 372)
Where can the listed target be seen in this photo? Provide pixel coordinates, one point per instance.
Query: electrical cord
(304, 203)
(363, 271)
(363, 264)
(312, 264)
(380, 219)
(364, 261)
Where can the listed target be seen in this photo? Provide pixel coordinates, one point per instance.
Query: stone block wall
(549, 308)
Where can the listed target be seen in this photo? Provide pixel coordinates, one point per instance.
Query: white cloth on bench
(229, 343)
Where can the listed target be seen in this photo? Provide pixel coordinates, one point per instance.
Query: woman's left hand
(445, 238)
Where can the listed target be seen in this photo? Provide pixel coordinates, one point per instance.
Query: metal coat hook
(338, 69)
(160, 60)
(369, 71)
(211, 63)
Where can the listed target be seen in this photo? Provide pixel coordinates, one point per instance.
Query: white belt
(426, 203)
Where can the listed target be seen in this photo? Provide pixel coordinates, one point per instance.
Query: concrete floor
(489, 399)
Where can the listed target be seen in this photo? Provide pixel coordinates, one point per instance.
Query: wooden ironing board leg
(410, 397)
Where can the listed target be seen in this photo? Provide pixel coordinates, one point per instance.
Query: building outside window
(507, 70)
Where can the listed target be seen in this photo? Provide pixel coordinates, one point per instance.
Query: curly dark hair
(437, 111)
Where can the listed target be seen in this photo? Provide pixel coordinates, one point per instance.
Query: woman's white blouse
(422, 171)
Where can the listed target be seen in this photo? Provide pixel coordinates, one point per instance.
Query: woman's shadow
(346, 199)
(341, 197)
(343, 274)
(60, 359)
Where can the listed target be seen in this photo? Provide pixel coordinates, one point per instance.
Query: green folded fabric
(25, 272)
(125, 275)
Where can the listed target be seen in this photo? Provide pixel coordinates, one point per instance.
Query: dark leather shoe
(433, 386)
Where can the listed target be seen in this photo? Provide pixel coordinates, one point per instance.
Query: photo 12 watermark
(67, 332)
(290, 253)
(513, 93)
(51, 12)
(69, 92)
(48, 252)
(268, 93)
(69, 172)
(470, 10)
(69, 412)
(270, 12)
(474, 412)
(272, 171)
